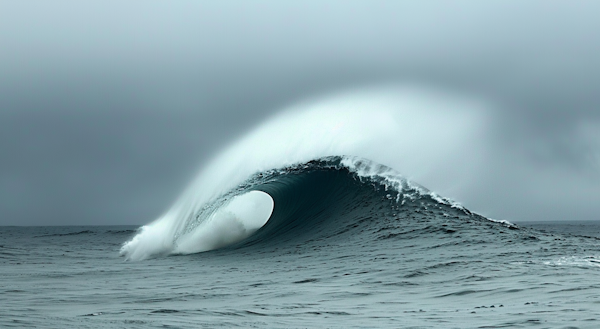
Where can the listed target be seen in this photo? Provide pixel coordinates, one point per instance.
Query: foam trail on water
(414, 131)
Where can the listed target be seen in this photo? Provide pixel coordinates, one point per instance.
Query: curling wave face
(316, 162)
(328, 198)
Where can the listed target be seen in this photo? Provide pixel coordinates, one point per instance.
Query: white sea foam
(237, 220)
(502, 221)
(413, 131)
(588, 261)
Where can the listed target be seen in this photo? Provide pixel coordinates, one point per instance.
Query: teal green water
(338, 252)
(52, 278)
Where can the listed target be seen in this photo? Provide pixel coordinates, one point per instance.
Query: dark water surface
(340, 250)
(572, 227)
(57, 277)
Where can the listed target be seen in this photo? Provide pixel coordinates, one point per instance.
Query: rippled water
(57, 277)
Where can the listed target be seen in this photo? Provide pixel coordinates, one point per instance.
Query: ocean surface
(348, 244)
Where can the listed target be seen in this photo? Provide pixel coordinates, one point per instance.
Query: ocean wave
(326, 198)
(324, 146)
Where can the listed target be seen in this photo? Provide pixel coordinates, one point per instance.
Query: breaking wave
(320, 169)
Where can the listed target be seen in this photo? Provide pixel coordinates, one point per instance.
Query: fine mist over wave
(413, 131)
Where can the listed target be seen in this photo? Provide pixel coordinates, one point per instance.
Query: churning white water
(235, 221)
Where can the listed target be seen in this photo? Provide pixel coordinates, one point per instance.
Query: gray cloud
(107, 109)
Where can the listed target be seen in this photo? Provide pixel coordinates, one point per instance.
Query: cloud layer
(107, 109)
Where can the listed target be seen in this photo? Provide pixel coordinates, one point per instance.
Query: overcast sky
(109, 108)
